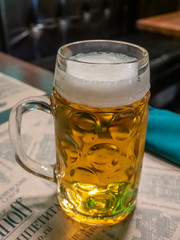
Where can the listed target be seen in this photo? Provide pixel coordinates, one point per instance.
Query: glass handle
(28, 104)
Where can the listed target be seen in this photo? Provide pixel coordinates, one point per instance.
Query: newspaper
(29, 208)
(12, 91)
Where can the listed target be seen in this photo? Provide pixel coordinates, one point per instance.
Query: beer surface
(102, 79)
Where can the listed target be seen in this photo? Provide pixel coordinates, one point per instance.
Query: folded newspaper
(29, 208)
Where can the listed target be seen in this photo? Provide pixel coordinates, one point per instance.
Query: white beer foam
(101, 80)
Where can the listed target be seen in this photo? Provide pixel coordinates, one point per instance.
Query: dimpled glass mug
(100, 107)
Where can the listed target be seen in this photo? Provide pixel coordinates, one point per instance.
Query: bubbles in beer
(102, 79)
(102, 57)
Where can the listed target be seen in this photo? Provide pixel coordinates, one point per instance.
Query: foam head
(101, 79)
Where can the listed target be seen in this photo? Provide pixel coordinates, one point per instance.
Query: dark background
(33, 30)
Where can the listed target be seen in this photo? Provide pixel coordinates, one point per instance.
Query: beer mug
(99, 103)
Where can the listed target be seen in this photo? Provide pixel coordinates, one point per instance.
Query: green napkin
(163, 134)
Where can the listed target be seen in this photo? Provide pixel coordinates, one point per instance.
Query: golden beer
(99, 158)
(100, 108)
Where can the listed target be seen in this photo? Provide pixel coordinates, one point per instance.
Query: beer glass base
(100, 221)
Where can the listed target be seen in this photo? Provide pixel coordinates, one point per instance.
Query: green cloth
(163, 134)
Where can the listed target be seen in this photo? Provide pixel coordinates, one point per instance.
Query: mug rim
(143, 59)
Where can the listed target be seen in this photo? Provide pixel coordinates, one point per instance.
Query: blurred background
(33, 30)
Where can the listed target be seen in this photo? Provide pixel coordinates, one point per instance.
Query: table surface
(26, 72)
(168, 24)
(155, 203)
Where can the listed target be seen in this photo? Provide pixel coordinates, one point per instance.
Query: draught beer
(100, 108)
